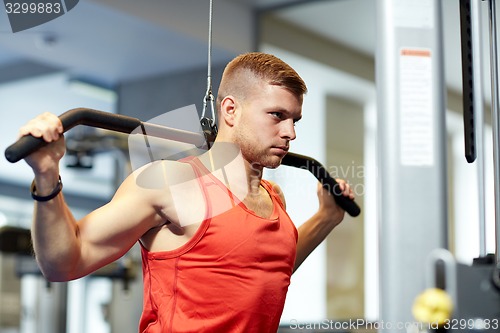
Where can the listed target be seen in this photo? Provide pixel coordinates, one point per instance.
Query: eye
(278, 115)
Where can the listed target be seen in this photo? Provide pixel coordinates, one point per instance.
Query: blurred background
(145, 58)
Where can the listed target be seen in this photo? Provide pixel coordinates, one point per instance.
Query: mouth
(281, 150)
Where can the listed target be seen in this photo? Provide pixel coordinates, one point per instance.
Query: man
(205, 268)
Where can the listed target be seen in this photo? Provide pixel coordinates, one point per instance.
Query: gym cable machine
(461, 297)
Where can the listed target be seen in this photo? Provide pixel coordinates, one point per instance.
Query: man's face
(265, 124)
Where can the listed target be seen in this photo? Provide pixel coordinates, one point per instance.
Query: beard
(256, 152)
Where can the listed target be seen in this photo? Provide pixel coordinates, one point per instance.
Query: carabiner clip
(209, 126)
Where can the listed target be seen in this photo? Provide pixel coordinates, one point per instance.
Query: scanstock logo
(26, 14)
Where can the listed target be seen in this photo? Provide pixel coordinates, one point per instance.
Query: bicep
(110, 231)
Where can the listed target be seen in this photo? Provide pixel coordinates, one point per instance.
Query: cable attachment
(209, 126)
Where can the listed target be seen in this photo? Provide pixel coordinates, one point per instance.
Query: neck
(254, 175)
(225, 155)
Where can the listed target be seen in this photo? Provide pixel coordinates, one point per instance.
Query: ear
(228, 110)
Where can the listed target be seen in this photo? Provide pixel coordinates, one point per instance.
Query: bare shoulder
(278, 190)
(154, 180)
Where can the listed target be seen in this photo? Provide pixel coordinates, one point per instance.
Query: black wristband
(51, 196)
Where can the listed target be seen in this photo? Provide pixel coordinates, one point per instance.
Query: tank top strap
(270, 189)
(211, 179)
(191, 160)
(195, 165)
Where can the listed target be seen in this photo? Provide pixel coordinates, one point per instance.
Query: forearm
(54, 233)
(312, 233)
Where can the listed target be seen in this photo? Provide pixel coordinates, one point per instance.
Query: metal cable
(495, 121)
(209, 97)
(476, 19)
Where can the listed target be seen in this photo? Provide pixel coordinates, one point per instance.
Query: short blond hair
(241, 72)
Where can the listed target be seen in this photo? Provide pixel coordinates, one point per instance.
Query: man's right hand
(49, 127)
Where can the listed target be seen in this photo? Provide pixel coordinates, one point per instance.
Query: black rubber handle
(79, 116)
(124, 124)
(319, 171)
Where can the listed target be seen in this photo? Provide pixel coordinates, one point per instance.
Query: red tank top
(232, 276)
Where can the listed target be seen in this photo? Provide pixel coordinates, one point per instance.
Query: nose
(288, 129)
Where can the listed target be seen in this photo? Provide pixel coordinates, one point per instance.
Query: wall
(345, 246)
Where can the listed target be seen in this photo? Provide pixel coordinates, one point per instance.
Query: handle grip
(125, 124)
(71, 118)
(319, 171)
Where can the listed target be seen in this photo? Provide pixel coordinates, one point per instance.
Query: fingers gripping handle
(313, 166)
(80, 116)
(23, 147)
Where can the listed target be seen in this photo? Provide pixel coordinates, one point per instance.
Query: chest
(261, 203)
(192, 204)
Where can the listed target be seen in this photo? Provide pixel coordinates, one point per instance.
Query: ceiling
(112, 41)
(353, 23)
